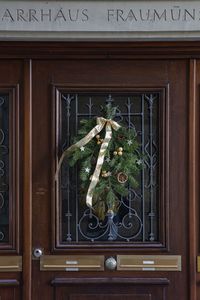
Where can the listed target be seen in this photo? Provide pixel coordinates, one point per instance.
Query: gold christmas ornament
(122, 177)
(120, 153)
(99, 140)
(107, 174)
(103, 173)
(115, 153)
(120, 149)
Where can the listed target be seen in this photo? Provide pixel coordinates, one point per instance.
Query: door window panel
(9, 169)
(4, 168)
(138, 215)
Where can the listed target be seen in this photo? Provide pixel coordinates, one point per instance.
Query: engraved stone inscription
(41, 15)
(139, 18)
(174, 14)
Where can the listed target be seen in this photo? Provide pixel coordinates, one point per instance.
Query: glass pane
(4, 168)
(137, 218)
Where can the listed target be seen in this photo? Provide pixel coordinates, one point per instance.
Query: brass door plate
(198, 263)
(72, 263)
(10, 263)
(149, 263)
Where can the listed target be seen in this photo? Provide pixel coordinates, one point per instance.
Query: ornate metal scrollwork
(4, 166)
(137, 216)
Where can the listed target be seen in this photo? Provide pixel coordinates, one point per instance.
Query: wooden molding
(109, 280)
(193, 175)
(102, 50)
(163, 197)
(27, 181)
(9, 282)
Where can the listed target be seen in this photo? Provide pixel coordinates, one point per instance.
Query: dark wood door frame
(27, 52)
(27, 179)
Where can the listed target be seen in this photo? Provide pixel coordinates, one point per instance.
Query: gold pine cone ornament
(122, 177)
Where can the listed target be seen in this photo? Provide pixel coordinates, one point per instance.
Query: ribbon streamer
(101, 122)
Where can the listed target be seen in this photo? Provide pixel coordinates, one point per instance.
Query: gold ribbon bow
(101, 122)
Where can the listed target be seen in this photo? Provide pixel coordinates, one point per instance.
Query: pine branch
(108, 190)
(110, 199)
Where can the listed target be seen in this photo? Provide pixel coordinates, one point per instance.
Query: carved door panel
(148, 237)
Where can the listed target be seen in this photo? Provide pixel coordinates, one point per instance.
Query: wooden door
(52, 246)
(152, 96)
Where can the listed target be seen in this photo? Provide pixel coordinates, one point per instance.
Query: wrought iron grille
(4, 168)
(137, 218)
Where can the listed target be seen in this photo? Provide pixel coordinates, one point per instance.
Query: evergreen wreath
(120, 167)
